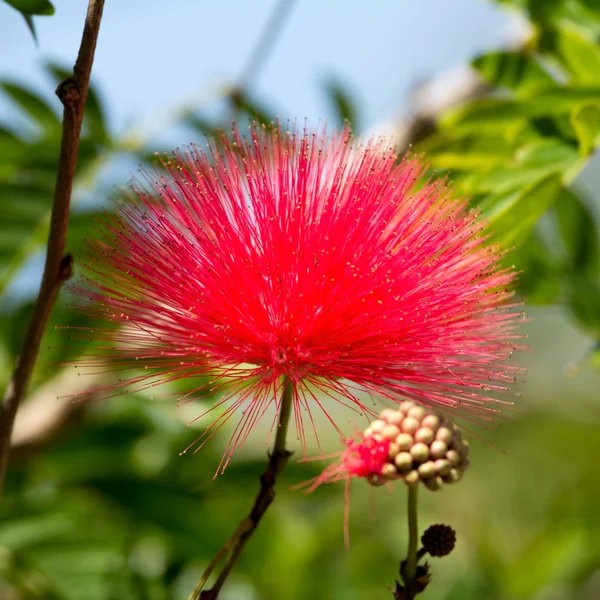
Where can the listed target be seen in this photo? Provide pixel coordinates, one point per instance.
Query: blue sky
(151, 55)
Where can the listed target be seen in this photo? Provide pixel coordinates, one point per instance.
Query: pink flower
(311, 256)
(363, 458)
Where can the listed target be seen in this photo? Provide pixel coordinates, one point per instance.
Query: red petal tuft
(317, 257)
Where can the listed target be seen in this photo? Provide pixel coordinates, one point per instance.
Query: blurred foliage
(342, 104)
(29, 8)
(104, 507)
(517, 151)
(110, 510)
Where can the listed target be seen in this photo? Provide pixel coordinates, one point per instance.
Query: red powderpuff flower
(312, 257)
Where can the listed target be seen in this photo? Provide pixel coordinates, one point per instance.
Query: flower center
(279, 355)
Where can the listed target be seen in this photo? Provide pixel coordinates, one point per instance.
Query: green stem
(235, 545)
(285, 410)
(410, 569)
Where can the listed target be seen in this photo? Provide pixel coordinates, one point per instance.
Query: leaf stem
(235, 545)
(73, 94)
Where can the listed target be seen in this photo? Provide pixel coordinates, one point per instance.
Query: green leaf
(560, 100)
(243, 104)
(540, 276)
(494, 114)
(554, 127)
(593, 358)
(497, 114)
(544, 11)
(10, 146)
(585, 119)
(31, 26)
(591, 4)
(28, 175)
(578, 233)
(514, 216)
(32, 104)
(517, 71)
(584, 302)
(32, 7)
(584, 14)
(465, 152)
(503, 179)
(580, 56)
(343, 104)
(529, 164)
(547, 153)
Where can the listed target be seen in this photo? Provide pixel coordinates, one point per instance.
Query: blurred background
(503, 96)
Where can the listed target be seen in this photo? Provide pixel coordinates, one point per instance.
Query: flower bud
(406, 406)
(390, 432)
(378, 426)
(412, 477)
(410, 425)
(442, 466)
(393, 451)
(403, 462)
(432, 421)
(452, 477)
(386, 413)
(427, 470)
(420, 452)
(425, 435)
(404, 441)
(434, 483)
(438, 449)
(396, 418)
(376, 480)
(454, 457)
(444, 434)
(417, 412)
(389, 470)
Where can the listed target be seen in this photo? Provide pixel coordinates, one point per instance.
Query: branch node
(68, 92)
(66, 267)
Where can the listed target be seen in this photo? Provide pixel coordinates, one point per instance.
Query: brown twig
(235, 545)
(265, 497)
(72, 92)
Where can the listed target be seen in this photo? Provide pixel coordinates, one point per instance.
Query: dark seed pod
(439, 540)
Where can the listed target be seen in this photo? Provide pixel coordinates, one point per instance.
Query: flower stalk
(235, 544)
(409, 570)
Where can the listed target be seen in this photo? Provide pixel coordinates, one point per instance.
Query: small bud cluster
(423, 446)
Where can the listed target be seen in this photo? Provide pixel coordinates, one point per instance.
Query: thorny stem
(72, 92)
(236, 543)
(410, 568)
